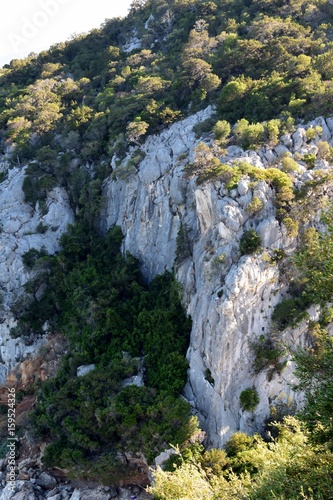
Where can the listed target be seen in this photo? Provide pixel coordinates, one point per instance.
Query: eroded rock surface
(229, 297)
(23, 227)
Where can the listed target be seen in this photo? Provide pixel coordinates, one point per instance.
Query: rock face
(23, 227)
(32, 484)
(229, 297)
(170, 221)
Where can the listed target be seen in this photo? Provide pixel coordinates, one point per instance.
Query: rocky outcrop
(172, 222)
(23, 227)
(32, 484)
(229, 297)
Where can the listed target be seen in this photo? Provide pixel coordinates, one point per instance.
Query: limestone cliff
(23, 227)
(229, 297)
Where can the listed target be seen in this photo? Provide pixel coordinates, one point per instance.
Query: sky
(34, 25)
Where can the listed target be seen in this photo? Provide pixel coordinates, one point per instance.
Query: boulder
(84, 369)
(46, 481)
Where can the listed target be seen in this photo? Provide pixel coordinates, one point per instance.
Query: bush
(229, 175)
(208, 376)
(312, 132)
(183, 244)
(238, 443)
(203, 127)
(89, 290)
(266, 354)
(309, 159)
(221, 130)
(255, 205)
(273, 130)
(249, 399)
(188, 481)
(289, 165)
(249, 135)
(249, 243)
(291, 226)
(31, 257)
(41, 228)
(289, 312)
(325, 151)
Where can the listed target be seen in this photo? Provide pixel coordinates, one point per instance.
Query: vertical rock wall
(229, 297)
(20, 226)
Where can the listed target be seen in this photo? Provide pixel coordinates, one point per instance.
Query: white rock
(133, 44)
(269, 155)
(329, 123)
(298, 138)
(163, 457)
(150, 208)
(280, 149)
(234, 151)
(326, 133)
(84, 369)
(322, 165)
(19, 234)
(8, 493)
(243, 187)
(286, 140)
(224, 232)
(270, 233)
(76, 495)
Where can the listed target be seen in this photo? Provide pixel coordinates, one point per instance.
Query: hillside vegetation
(264, 65)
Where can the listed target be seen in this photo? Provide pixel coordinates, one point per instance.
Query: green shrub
(289, 312)
(249, 399)
(222, 130)
(288, 467)
(272, 129)
(313, 132)
(314, 369)
(250, 242)
(41, 228)
(3, 176)
(266, 354)
(289, 165)
(309, 159)
(208, 376)
(255, 205)
(97, 299)
(203, 127)
(229, 175)
(124, 171)
(31, 257)
(249, 136)
(278, 254)
(183, 244)
(291, 226)
(315, 263)
(325, 151)
(326, 316)
(238, 443)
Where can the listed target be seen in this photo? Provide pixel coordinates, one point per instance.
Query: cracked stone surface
(230, 298)
(19, 233)
(151, 206)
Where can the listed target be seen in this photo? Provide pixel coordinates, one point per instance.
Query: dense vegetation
(97, 299)
(293, 461)
(312, 283)
(261, 61)
(287, 467)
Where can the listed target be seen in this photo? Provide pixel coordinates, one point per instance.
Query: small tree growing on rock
(136, 129)
(249, 242)
(249, 399)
